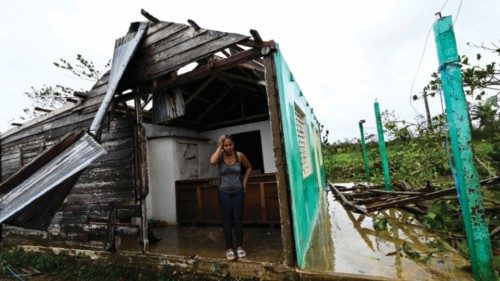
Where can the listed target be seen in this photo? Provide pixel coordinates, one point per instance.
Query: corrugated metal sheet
(124, 50)
(65, 165)
(168, 105)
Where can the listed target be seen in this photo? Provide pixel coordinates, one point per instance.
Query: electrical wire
(423, 53)
(444, 5)
(418, 69)
(458, 13)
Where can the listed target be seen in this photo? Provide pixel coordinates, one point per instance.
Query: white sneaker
(230, 254)
(240, 252)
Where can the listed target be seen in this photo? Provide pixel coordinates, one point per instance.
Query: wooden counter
(197, 201)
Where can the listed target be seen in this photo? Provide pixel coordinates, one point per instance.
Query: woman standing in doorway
(231, 192)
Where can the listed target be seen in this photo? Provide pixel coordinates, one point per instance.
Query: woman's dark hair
(229, 137)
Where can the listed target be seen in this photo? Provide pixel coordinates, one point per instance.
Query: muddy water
(347, 242)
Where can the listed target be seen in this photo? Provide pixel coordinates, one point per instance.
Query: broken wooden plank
(339, 194)
(413, 199)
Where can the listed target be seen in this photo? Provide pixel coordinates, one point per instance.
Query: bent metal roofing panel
(70, 161)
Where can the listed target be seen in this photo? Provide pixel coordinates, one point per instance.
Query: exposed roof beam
(203, 71)
(251, 64)
(209, 69)
(243, 79)
(147, 15)
(73, 100)
(256, 35)
(255, 44)
(215, 103)
(249, 118)
(227, 111)
(248, 65)
(200, 89)
(252, 90)
(81, 95)
(147, 100)
(42, 109)
(225, 53)
(195, 97)
(193, 24)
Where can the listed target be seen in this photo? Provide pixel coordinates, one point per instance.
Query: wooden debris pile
(365, 199)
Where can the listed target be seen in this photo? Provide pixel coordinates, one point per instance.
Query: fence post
(457, 115)
(381, 148)
(364, 153)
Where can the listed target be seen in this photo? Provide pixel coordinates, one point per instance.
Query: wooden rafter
(148, 99)
(254, 91)
(196, 97)
(250, 66)
(255, 44)
(200, 89)
(243, 79)
(200, 72)
(214, 104)
(248, 118)
(227, 111)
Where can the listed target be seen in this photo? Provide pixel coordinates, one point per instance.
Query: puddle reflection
(347, 242)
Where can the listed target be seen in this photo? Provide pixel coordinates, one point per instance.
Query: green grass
(415, 162)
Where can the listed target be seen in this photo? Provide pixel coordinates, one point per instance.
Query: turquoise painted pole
(381, 148)
(364, 153)
(457, 115)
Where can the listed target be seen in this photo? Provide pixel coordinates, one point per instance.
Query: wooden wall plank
(173, 59)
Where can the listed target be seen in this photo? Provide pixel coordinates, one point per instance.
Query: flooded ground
(263, 244)
(347, 242)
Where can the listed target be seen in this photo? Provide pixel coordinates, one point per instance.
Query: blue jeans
(231, 210)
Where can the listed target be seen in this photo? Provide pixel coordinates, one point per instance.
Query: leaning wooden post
(364, 154)
(381, 148)
(457, 116)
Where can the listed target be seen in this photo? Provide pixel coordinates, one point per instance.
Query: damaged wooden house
(135, 148)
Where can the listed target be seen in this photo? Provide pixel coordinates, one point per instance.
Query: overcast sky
(343, 54)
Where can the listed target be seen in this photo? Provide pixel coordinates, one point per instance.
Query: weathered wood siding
(168, 46)
(108, 180)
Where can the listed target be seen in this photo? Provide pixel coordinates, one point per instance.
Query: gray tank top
(230, 175)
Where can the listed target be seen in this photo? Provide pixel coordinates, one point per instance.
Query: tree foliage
(481, 83)
(51, 97)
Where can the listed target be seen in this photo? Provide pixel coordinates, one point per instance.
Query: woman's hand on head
(220, 140)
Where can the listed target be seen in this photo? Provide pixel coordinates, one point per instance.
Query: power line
(444, 5)
(419, 65)
(422, 56)
(458, 12)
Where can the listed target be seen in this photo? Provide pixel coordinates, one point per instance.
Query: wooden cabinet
(197, 201)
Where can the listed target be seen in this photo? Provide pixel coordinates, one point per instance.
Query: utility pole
(427, 111)
(381, 148)
(471, 202)
(364, 153)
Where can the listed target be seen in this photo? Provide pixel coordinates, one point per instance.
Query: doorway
(250, 144)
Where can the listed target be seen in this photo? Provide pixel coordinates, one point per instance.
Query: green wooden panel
(304, 189)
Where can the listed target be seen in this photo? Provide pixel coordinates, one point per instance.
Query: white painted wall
(164, 156)
(162, 175)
